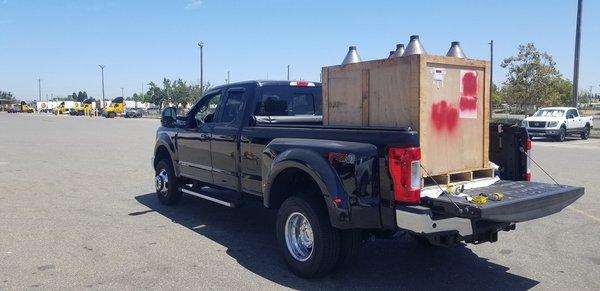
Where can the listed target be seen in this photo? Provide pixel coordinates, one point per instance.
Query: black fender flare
(163, 140)
(321, 172)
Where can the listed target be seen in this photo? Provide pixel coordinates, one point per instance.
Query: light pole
(288, 72)
(102, 69)
(491, 43)
(576, 60)
(201, 46)
(227, 77)
(40, 89)
(122, 94)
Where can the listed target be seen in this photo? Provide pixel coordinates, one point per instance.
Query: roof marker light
(302, 84)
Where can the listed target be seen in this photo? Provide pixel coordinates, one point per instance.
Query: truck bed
(522, 201)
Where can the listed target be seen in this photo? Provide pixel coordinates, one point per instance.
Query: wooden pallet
(457, 177)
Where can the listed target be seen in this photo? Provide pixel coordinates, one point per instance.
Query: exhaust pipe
(399, 51)
(414, 47)
(456, 51)
(352, 56)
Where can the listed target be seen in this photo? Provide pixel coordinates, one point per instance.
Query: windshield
(549, 113)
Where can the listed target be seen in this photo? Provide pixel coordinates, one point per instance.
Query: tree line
(8, 96)
(175, 92)
(532, 79)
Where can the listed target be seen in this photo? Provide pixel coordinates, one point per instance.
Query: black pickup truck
(334, 186)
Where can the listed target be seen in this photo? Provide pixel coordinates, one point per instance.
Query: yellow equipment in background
(117, 106)
(26, 108)
(83, 107)
(60, 109)
(22, 107)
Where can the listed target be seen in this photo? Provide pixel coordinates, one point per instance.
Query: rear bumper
(421, 222)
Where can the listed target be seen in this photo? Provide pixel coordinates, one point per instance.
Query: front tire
(562, 134)
(307, 240)
(166, 183)
(585, 134)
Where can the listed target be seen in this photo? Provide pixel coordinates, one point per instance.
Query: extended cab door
(573, 120)
(193, 141)
(224, 143)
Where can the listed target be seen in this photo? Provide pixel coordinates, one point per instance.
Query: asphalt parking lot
(77, 210)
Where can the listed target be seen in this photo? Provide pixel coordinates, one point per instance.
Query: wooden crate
(445, 99)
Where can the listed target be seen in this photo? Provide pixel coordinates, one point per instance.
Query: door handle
(204, 136)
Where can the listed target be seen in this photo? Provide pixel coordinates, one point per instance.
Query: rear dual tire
(308, 242)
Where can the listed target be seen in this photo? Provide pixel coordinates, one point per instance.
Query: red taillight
(405, 168)
(528, 147)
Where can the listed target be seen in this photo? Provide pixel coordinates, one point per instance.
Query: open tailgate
(522, 201)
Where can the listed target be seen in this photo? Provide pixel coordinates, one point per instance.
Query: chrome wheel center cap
(161, 181)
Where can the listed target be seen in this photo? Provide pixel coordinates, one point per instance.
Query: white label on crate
(438, 76)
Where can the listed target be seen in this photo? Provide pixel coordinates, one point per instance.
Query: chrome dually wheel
(161, 182)
(299, 236)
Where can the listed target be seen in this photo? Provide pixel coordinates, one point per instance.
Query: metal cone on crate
(399, 51)
(456, 51)
(352, 56)
(414, 47)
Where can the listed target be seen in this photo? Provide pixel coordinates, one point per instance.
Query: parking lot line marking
(567, 143)
(594, 218)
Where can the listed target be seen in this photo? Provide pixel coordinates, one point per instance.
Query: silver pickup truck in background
(558, 122)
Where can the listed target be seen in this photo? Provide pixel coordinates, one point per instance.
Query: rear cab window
(285, 100)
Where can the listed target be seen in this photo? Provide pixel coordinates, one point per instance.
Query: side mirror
(168, 117)
(569, 116)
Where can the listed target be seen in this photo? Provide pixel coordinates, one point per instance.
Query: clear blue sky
(62, 42)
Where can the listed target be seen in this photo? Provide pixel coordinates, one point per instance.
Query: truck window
(549, 113)
(574, 112)
(232, 107)
(208, 108)
(288, 101)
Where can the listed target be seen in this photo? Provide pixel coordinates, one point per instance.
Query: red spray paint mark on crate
(444, 116)
(468, 103)
(468, 94)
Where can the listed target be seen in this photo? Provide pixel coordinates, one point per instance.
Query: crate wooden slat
(457, 177)
(411, 92)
